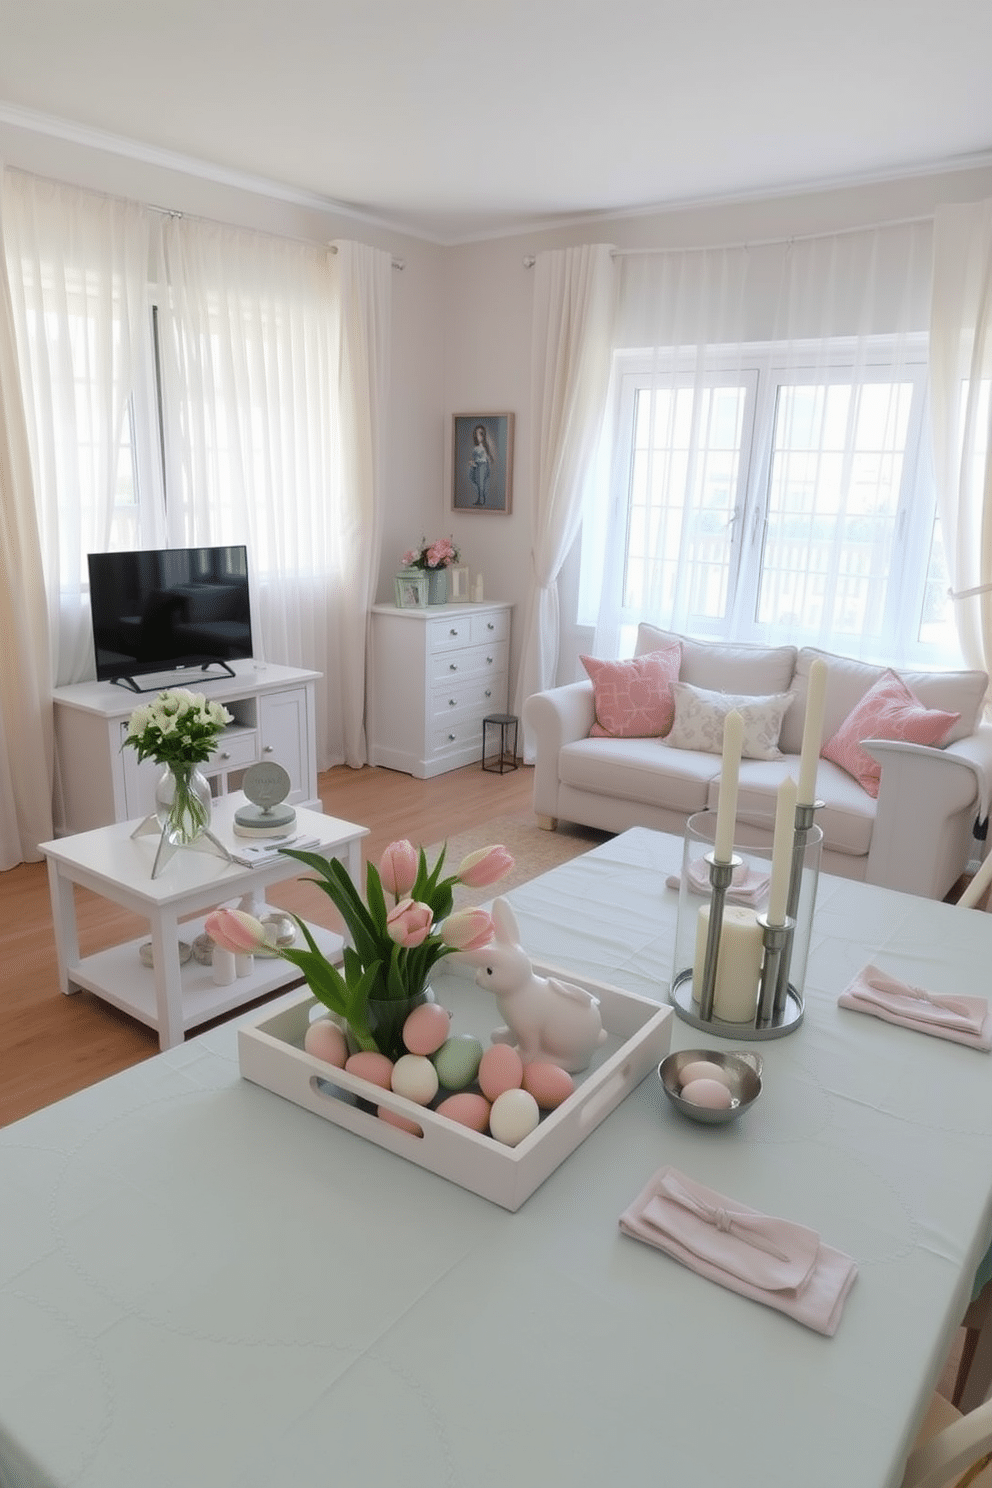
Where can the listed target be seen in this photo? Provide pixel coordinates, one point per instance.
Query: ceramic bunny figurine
(546, 1018)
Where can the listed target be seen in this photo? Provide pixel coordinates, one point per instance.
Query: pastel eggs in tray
(712, 1086)
(490, 1091)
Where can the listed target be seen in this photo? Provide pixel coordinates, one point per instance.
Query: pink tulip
(485, 867)
(409, 924)
(468, 929)
(398, 868)
(235, 930)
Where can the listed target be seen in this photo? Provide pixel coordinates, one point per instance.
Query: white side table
(173, 999)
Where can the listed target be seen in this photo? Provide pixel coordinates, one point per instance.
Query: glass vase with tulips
(398, 933)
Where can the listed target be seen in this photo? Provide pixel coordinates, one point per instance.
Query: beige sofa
(917, 836)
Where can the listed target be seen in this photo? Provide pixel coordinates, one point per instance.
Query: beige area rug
(533, 851)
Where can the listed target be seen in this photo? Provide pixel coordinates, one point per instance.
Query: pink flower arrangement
(393, 946)
(439, 554)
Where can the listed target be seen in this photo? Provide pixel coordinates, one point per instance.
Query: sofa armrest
(976, 750)
(552, 719)
(918, 844)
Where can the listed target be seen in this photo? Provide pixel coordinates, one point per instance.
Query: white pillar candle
(223, 966)
(785, 828)
(738, 963)
(726, 811)
(816, 696)
(244, 965)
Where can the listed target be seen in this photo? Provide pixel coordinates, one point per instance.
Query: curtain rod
(839, 232)
(397, 263)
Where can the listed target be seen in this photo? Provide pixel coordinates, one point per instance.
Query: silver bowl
(743, 1070)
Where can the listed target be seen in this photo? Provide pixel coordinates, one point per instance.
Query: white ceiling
(459, 119)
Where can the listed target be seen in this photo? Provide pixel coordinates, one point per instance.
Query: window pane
(833, 500)
(685, 470)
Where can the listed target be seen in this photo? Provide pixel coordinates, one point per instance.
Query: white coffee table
(113, 862)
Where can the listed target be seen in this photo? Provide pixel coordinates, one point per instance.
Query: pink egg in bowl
(740, 1079)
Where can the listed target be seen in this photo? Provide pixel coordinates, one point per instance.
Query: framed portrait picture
(458, 583)
(411, 589)
(482, 462)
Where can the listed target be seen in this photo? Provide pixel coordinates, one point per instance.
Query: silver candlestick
(721, 877)
(800, 837)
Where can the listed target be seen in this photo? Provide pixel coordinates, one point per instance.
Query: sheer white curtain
(252, 366)
(681, 317)
(364, 280)
(574, 297)
(758, 400)
(78, 266)
(25, 672)
(961, 378)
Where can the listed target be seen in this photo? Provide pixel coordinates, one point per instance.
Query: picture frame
(411, 589)
(458, 583)
(482, 462)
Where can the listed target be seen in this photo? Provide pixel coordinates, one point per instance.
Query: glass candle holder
(733, 973)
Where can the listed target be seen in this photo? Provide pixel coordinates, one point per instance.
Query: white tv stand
(101, 782)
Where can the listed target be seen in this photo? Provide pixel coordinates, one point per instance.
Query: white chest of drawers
(434, 674)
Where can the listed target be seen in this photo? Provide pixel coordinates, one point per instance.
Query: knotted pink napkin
(782, 1264)
(748, 885)
(965, 1020)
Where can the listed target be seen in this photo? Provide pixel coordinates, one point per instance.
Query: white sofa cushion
(849, 680)
(641, 770)
(723, 666)
(846, 817)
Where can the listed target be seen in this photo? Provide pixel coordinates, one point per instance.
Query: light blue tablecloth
(203, 1284)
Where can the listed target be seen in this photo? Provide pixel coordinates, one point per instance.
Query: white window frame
(762, 369)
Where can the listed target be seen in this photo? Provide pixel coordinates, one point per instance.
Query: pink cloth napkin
(748, 885)
(965, 1020)
(782, 1264)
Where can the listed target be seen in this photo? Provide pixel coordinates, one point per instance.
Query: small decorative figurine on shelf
(546, 1019)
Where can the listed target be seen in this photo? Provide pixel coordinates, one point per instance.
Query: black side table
(504, 757)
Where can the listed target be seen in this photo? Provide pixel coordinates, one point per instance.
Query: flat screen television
(167, 610)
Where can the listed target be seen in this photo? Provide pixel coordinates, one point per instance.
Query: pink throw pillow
(888, 710)
(634, 698)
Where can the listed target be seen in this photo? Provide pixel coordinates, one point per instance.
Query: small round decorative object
(146, 955)
(369, 1065)
(500, 1069)
(457, 1061)
(266, 785)
(515, 1114)
(548, 1083)
(426, 1029)
(415, 1078)
(325, 1040)
(468, 1108)
(730, 1091)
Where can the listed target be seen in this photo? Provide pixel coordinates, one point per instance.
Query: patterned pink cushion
(889, 710)
(634, 698)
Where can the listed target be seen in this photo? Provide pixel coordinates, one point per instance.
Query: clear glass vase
(183, 804)
(386, 1018)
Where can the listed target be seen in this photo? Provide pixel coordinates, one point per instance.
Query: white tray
(271, 1053)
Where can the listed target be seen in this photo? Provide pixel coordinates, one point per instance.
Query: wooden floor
(51, 1045)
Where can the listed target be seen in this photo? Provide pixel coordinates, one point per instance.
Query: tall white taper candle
(816, 696)
(785, 830)
(726, 811)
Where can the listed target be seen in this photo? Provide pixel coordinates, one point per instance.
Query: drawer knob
(453, 631)
(452, 667)
(451, 738)
(489, 661)
(488, 692)
(224, 754)
(490, 625)
(452, 703)
(267, 749)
